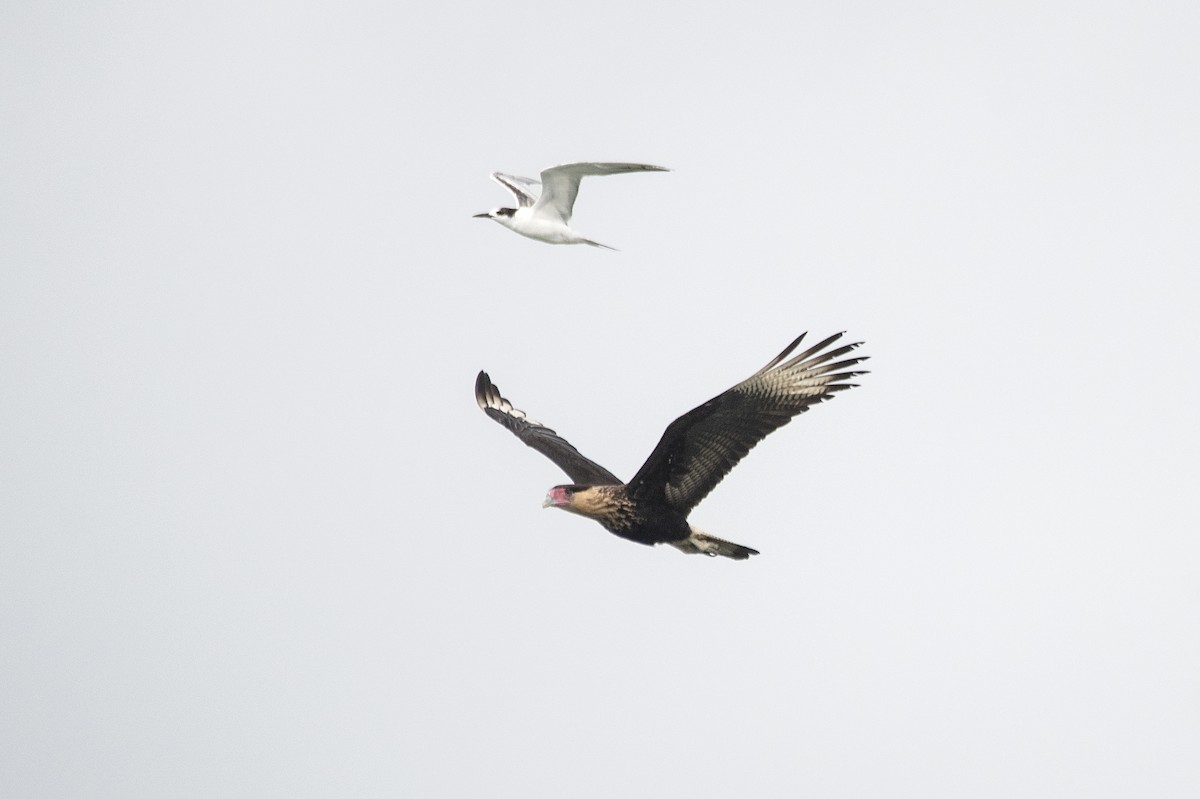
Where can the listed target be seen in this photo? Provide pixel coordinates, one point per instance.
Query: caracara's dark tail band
(699, 543)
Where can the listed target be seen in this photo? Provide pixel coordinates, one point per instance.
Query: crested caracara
(697, 450)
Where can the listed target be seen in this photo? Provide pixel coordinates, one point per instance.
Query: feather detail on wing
(560, 184)
(581, 470)
(699, 448)
(522, 189)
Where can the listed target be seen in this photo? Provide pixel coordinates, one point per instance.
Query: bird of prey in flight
(696, 452)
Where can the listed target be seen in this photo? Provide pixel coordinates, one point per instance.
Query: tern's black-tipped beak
(481, 216)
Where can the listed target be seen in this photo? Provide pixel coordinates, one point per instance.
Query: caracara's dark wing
(700, 447)
(542, 438)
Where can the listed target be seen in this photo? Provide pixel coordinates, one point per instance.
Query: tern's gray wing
(560, 185)
(535, 434)
(521, 188)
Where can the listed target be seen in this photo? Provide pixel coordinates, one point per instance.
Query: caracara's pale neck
(609, 505)
(596, 502)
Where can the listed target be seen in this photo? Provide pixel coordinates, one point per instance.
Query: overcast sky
(257, 540)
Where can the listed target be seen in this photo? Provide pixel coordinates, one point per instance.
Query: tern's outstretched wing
(560, 185)
(535, 434)
(521, 188)
(699, 448)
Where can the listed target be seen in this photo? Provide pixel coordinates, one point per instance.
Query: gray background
(257, 540)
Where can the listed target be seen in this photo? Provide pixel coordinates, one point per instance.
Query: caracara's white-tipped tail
(699, 543)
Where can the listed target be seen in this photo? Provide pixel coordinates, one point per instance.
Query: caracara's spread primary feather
(696, 452)
(540, 437)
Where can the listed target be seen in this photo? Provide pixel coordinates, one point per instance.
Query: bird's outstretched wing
(699, 448)
(521, 188)
(581, 470)
(560, 185)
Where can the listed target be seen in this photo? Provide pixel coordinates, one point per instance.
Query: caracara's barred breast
(646, 523)
(609, 505)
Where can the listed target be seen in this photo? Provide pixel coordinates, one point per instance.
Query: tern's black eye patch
(505, 211)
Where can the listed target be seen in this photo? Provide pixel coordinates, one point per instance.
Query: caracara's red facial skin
(557, 496)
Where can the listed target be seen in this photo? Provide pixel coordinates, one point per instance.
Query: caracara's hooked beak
(556, 497)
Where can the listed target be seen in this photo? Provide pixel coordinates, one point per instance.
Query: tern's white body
(546, 217)
(528, 222)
